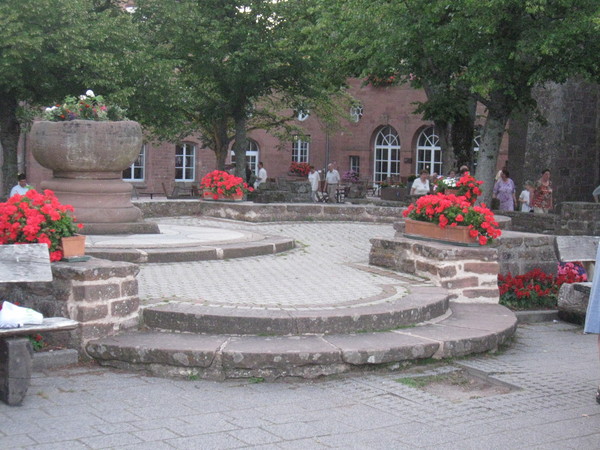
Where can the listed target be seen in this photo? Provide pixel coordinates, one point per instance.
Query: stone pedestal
(470, 274)
(15, 369)
(87, 159)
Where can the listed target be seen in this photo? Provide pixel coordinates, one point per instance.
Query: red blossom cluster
(223, 183)
(37, 218)
(452, 211)
(537, 288)
(467, 186)
(302, 169)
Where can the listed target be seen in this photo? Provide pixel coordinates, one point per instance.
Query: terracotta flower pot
(206, 195)
(432, 231)
(73, 246)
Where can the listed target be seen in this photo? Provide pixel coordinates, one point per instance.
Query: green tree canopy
(226, 66)
(53, 48)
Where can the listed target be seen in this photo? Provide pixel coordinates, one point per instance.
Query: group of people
(426, 184)
(332, 181)
(535, 197)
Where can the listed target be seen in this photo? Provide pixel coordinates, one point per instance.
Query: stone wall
(579, 219)
(470, 274)
(272, 212)
(518, 253)
(102, 295)
(532, 223)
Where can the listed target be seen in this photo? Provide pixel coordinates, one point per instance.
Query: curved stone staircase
(191, 340)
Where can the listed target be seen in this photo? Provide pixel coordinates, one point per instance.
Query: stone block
(427, 267)
(129, 288)
(95, 292)
(460, 283)
(91, 313)
(15, 369)
(125, 307)
(92, 330)
(482, 267)
(572, 303)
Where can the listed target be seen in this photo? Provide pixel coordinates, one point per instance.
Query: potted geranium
(466, 186)
(451, 218)
(38, 218)
(301, 169)
(219, 185)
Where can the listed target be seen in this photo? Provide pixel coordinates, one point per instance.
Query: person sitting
(22, 187)
(262, 175)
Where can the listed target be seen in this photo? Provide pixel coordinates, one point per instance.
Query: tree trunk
(493, 131)
(239, 147)
(443, 130)
(221, 141)
(462, 135)
(9, 141)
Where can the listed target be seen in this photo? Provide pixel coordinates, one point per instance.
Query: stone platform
(177, 243)
(317, 310)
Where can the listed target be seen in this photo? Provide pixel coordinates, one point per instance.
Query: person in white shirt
(332, 180)
(314, 179)
(261, 177)
(421, 185)
(22, 187)
(525, 197)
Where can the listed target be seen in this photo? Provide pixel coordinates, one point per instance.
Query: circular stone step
(471, 328)
(421, 304)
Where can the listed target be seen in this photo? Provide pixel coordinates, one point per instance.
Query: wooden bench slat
(24, 262)
(49, 324)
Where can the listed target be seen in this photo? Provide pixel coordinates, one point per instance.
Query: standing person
(22, 187)
(504, 191)
(421, 185)
(261, 177)
(315, 180)
(525, 197)
(542, 194)
(332, 180)
(592, 317)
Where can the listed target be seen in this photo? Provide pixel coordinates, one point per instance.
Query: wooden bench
(578, 249)
(23, 263)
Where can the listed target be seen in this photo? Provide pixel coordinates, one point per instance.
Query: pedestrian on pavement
(504, 191)
(592, 317)
(315, 180)
(22, 187)
(261, 177)
(332, 180)
(542, 194)
(421, 185)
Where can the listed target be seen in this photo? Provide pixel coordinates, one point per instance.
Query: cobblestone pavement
(554, 366)
(321, 271)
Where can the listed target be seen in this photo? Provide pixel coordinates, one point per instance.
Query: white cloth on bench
(13, 316)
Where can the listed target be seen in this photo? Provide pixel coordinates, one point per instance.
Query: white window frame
(300, 150)
(354, 163)
(429, 152)
(139, 165)
(386, 154)
(356, 113)
(303, 115)
(252, 155)
(185, 162)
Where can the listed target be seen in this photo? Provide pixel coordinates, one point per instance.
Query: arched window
(429, 153)
(387, 154)
(252, 152)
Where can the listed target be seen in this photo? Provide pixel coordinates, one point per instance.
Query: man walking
(332, 180)
(314, 179)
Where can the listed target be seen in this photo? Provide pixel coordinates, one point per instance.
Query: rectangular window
(136, 172)
(185, 162)
(300, 151)
(355, 163)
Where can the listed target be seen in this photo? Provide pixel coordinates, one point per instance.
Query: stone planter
(431, 231)
(87, 159)
(395, 193)
(73, 246)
